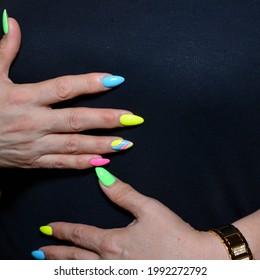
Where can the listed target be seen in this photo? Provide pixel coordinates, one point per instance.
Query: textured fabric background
(192, 70)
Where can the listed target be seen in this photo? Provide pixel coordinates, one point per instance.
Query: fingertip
(9, 44)
(9, 24)
(13, 27)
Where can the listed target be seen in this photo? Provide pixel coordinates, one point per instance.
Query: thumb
(121, 193)
(9, 44)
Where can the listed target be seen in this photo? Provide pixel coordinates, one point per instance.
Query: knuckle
(75, 121)
(91, 86)
(63, 88)
(150, 205)
(109, 118)
(71, 144)
(100, 145)
(80, 162)
(60, 162)
(65, 161)
(75, 256)
(124, 194)
(77, 235)
(108, 245)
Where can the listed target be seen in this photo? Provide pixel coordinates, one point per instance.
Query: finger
(9, 47)
(84, 236)
(80, 119)
(121, 193)
(75, 144)
(66, 253)
(57, 161)
(67, 87)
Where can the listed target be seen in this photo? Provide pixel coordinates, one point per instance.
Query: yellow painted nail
(46, 230)
(130, 119)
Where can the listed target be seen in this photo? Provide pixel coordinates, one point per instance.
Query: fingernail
(105, 177)
(46, 230)
(38, 255)
(121, 144)
(5, 22)
(99, 161)
(112, 81)
(130, 119)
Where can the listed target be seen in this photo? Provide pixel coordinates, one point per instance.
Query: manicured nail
(130, 119)
(106, 178)
(99, 161)
(5, 22)
(38, 255)
(46, 230)
(112, 81)
(121, 144)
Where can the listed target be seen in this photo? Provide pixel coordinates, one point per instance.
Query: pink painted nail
(99, 161)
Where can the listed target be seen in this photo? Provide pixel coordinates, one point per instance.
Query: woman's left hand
(155, 233)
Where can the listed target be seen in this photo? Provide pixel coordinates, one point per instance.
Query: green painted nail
(5, 22)
(105, 177)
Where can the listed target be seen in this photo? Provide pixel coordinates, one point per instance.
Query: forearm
(250, 228)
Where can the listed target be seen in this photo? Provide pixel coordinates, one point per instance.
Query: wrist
(234, 242)
(249, 226)
(213, 248)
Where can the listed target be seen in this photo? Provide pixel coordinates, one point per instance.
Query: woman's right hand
(34, 135)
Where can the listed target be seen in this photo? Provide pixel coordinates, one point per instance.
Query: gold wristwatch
(234, 242)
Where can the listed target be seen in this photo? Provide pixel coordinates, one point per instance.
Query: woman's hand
(33, 135)
(155, 233)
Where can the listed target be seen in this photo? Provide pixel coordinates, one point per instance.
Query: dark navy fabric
(192, 70)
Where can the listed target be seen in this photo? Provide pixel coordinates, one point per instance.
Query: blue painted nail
(112, 81)
(38, 255)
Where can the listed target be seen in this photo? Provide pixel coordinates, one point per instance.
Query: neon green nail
(46, 230)
(130, 119)
(105, 177)
(5, 22)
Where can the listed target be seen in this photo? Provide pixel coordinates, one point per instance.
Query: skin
(32, 134)
(155, 233)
